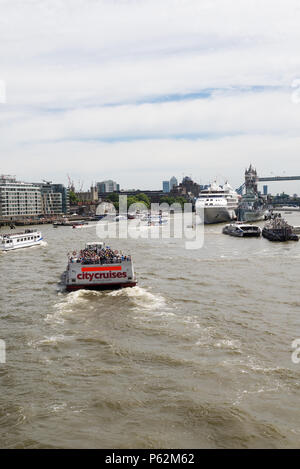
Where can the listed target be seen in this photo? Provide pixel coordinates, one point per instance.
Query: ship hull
(218, 215)
(100, 286)
(95, 276)
(243, 235)
(279, 235)
(249, 216)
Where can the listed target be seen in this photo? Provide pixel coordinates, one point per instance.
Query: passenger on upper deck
(98, 255)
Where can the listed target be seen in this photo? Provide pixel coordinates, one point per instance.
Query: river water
(198, 355)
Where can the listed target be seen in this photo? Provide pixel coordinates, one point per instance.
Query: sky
(139, 91)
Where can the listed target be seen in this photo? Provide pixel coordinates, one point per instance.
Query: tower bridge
(251, 179)
(279, 178)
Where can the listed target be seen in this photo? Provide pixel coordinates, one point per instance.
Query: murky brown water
(197, 356)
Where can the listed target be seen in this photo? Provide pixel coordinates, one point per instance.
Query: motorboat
(242, 230)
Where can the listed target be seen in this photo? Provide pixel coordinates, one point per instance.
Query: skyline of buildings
(19, 198)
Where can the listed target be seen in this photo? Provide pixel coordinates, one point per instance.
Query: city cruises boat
(217, 204)
(98, 267)
(278, 229)
(242, 230)
(29, 238)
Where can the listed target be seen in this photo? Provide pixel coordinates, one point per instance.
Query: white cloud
(221, 114)
(78, 56)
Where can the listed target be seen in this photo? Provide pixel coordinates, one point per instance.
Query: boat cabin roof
(243, 225)
(94, 245)
(19, 235)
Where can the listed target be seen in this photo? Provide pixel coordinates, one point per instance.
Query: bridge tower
(251, 180)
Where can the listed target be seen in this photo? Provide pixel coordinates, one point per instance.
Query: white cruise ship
(218, 204)
(10, 242)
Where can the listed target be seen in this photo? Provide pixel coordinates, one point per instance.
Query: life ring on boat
(116, 252)
(74, 253)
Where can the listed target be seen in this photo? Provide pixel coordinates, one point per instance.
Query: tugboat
(278, 229)
(242, 230)
(98, 267)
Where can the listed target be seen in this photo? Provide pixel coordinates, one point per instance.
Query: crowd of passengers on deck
(98, 256)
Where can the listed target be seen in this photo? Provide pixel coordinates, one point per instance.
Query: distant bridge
(280, 178)
(270, 179)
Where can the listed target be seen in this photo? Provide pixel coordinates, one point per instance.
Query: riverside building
(24, 199)
(107, 186)
(19, 198)
(55, 199)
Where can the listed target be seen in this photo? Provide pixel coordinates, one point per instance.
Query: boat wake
(136, 299)
(141, 298)
(67, 305)
(82, 227)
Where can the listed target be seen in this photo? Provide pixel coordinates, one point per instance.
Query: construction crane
(71, 184)
(80, 185)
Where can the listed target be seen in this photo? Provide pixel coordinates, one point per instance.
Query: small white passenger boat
(9, 242)
(242, 230)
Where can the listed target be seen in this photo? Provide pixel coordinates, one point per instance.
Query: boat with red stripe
(98, 267)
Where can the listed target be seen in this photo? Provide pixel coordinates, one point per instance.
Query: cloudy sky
(141, 90)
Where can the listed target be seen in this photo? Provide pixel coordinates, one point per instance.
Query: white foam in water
(71, 300)
(230, 344)
(54, 318)
(52, 340)
(66, 305)
(142, 298)
(57, 407)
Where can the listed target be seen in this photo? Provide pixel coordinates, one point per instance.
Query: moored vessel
(242, 230)
(98, 267)
(29, 238)
(217, 204)
(252, 206)
(278, 229)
